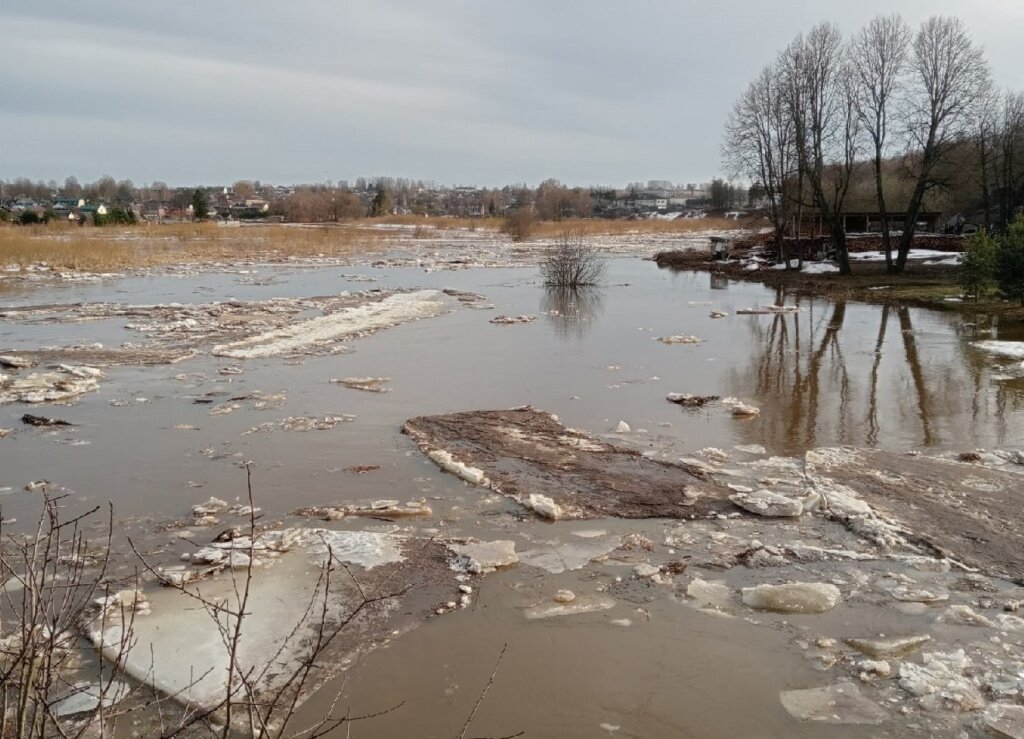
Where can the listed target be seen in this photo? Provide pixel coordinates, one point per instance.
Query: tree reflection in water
(571, 311)
(839, 374)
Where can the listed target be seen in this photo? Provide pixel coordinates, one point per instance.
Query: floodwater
(835, 373)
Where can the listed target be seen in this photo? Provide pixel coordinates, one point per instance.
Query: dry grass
(86, 249)
(603, 227)
(66, 247)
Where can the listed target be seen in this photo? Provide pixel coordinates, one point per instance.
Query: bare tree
(49, 578)
(1010, 156)
(819, 93)
(878, 58)
(759, 144)
(950, 75)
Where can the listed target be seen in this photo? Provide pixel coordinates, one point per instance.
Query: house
(870, 221)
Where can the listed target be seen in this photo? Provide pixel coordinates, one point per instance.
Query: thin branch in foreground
(483, 695)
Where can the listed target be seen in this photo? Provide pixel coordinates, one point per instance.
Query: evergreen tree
(200, 204)
(978, 266)
(1010, 262)
(381, 204)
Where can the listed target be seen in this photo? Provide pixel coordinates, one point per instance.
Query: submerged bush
(573, 263)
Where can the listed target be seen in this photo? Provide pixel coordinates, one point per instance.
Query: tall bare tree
(950, 75)
(1010, 150)
(878, 59)
(759, 145)
(819, 93)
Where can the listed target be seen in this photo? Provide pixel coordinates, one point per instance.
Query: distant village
(110, 201)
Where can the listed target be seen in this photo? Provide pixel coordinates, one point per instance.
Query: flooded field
(664, 634)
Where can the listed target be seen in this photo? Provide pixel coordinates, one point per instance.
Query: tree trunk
(880, 195)
(910, 225)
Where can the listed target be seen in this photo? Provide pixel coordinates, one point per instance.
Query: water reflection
(571, 311)
(855, 374)
(718, 281)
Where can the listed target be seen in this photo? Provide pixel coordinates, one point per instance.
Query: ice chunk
(797, 597)
(85, 696)
(557, 557)
(739, 408)
(580, 604)
(1004, 720)
(448, 463)
(965, 616)
(367, 549)
(888, 648)
(369, 384)
(544, 506)
(484, 556)
(841, 703)
(710, 594)
(767, 503)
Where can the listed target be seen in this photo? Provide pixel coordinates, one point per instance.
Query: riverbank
(922, 284)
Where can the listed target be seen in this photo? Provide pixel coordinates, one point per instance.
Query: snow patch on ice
(391, 311)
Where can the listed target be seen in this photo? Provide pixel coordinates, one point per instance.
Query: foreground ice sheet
(180, 647)
(391, 311)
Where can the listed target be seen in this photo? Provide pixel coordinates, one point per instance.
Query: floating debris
(65, 383)
(43, 421)
(690, 401)
(681, 339)
(769, 310)
(369, 384)
(513, 319)
(739, 408)
(302, 423)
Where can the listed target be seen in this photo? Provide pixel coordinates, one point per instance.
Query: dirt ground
(965, 510)
(526, 452)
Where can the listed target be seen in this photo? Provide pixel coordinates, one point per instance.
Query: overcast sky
(596, 92)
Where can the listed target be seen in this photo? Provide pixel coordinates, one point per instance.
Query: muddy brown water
(833, 374)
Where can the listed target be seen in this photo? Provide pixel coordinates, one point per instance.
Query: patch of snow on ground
(819, 268)
(879, 256)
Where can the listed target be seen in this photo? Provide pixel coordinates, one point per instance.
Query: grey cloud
(597, 92)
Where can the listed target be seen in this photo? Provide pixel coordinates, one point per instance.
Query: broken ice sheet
(483, 556)
(581, 604)
(557, 557)
(367, 549)
(841, 703)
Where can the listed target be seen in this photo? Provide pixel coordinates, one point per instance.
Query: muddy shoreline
(931, 286)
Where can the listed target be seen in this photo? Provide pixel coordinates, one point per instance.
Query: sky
(453, 91)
